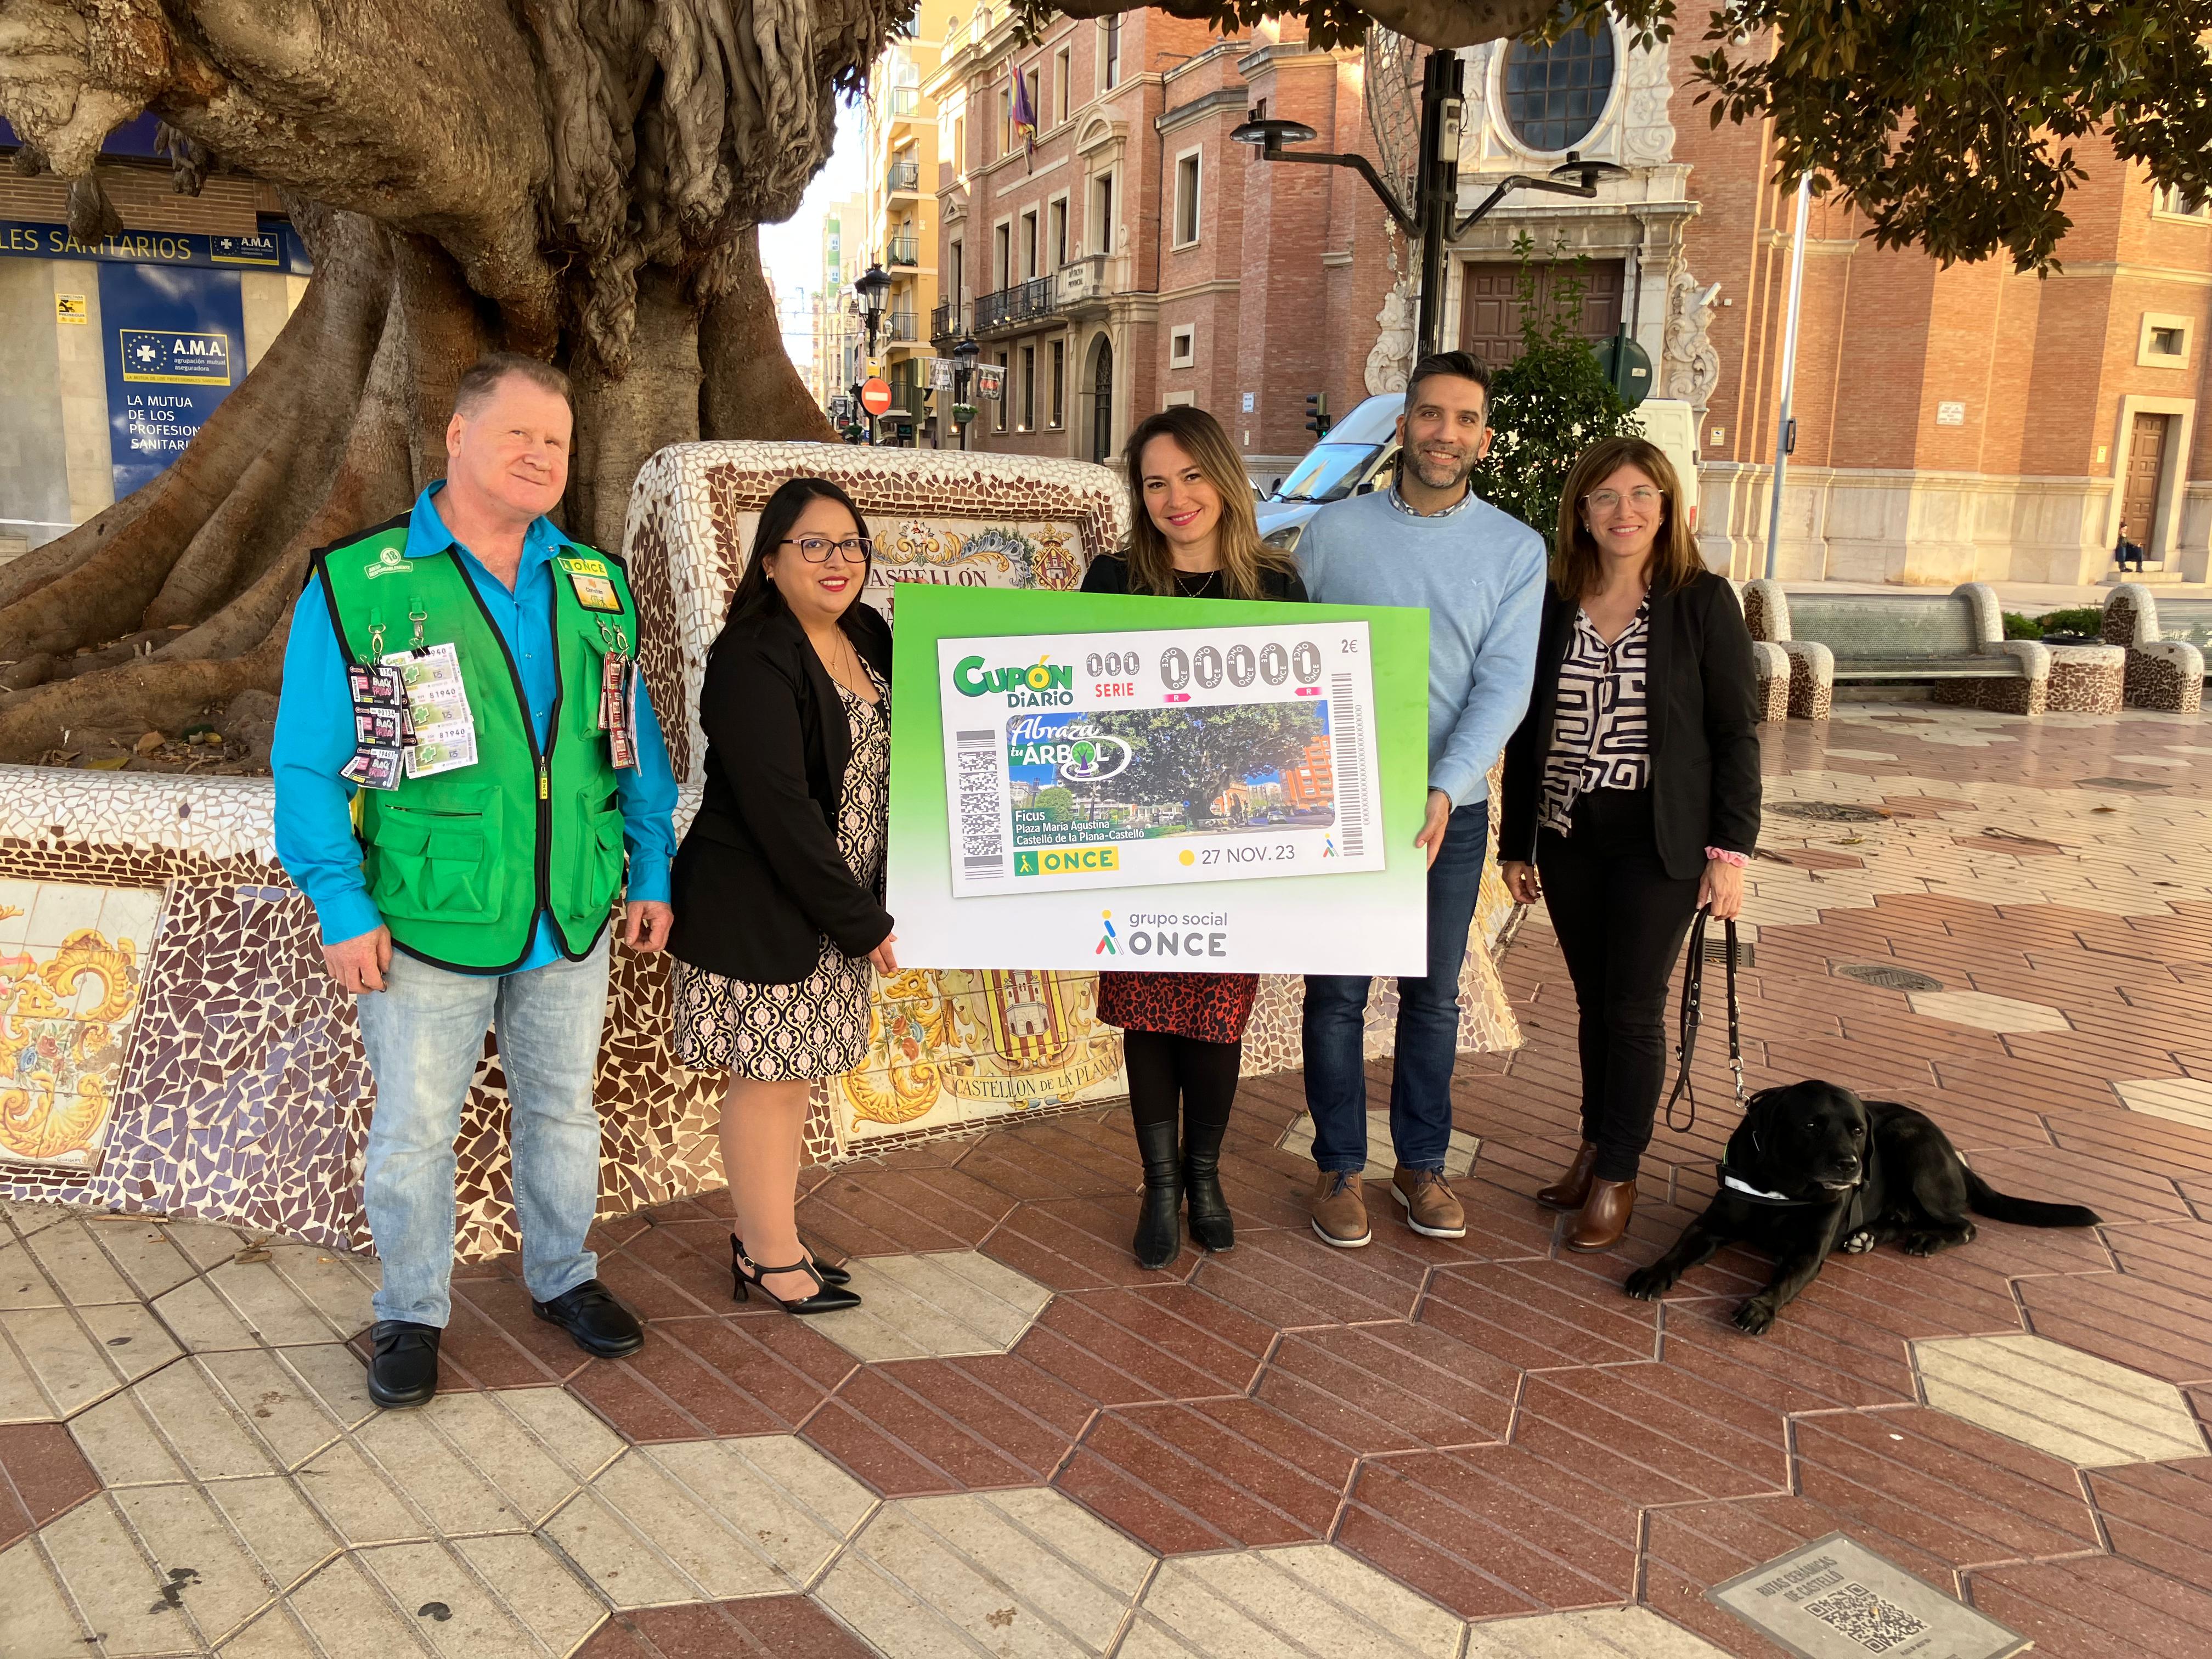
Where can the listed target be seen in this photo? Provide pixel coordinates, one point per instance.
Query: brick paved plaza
(1025, 1446)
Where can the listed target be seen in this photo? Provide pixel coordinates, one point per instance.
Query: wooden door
(1489, 303)
(2146, 466)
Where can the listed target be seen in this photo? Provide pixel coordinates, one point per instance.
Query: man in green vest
(466, 761)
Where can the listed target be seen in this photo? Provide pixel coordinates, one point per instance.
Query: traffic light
(1318, 413)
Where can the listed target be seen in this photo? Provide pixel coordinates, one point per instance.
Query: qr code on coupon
(978, 804)
(1856, 1611)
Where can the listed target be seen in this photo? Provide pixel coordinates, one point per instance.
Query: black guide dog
(1813, 1169)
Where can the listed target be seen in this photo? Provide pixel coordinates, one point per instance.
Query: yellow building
(903, 151)
(846, 230)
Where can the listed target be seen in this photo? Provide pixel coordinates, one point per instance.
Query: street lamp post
(870, 289)
(964, 371)
(1428, 221)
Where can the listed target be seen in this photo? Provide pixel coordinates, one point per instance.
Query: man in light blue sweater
(1429, 542)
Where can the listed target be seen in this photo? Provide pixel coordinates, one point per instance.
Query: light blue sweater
(1479, 574)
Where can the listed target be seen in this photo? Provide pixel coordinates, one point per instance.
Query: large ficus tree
(583, 179)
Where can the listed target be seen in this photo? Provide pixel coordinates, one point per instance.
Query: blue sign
(275, 247)
(175, 347)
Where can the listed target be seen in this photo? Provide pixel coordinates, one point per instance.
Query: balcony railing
(905, 100)
(903, 175)
(945, 322)
(903, 251)
(1011, 306)
(899, 326)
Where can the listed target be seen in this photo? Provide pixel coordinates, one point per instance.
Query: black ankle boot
(1160, 1222)
(1210, 1222)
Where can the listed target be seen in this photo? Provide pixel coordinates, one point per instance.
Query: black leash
(1693, 992)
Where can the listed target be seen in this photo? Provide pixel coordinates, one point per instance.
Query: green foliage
(1550, 403)
(2078, 619)
(1187, 757)
(1056, 801)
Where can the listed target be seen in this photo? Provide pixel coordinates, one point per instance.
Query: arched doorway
(1102, 402)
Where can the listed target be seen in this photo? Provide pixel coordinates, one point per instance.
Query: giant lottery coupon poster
(1101, 780)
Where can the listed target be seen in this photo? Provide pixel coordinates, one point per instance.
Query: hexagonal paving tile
(2059, 1399)
(1602, 1633)
(1459, 1158)
(1986, 1013)
(935, 1306)
(710, 1520)
(1302, 1602)
(223, 1415)
(1026, 1573)
(2182, 1099)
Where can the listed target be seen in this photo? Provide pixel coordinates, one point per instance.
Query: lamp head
(872, 287)
(967, 352)
(1575, 170)
(1271, 136)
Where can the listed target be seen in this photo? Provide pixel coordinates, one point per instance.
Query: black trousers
(1620, 919)
(1165, 1069)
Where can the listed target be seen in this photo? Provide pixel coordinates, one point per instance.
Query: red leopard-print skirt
(1211, 1007)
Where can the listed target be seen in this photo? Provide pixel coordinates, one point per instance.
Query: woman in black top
(1192, 535)
(1631, 792)
(778, 884)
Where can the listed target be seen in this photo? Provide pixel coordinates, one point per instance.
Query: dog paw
(1754, 1317)
(1647, 1283)
(1859, 1242)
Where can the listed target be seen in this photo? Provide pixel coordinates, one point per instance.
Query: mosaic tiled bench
(1954, 642)
(170, 1041)
(2165, 642)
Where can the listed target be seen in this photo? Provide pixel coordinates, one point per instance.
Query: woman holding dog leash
(1631, 792)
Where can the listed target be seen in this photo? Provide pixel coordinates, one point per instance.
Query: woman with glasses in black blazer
(778, 882)
(1631, 792)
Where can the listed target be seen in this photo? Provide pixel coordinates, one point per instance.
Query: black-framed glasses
(815, 549)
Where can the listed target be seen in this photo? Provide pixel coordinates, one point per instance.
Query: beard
(1438, 473)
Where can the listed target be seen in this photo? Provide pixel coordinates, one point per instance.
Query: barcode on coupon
(1348, 737)
(982, 848)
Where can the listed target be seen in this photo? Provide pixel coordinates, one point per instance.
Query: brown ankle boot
(1604, 1217)
(1569, 1191)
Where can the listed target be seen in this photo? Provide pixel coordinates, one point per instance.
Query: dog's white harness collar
(1750, 1191)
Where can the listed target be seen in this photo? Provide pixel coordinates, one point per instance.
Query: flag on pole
(1025, 121)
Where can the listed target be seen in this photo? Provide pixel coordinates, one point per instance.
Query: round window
(1554, 94)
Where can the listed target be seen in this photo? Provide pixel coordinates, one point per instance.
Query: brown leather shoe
(1340, 1210)
(1604, 1217)
(1569, 1191)
(1432, 1208)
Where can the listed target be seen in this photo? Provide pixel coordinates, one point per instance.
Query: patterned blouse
(1601, 732)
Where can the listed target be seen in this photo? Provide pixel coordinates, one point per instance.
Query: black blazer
(758, 879)
(1703, 691)
(1110, 573)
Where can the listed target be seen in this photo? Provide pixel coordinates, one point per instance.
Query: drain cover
(1746, 953)
(1827, 811)
(1887, 976)
(2141, 785)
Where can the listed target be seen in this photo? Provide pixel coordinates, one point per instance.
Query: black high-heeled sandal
(826, 1298)
(830, 1275)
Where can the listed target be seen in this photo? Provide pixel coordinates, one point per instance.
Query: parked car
(1360, 454)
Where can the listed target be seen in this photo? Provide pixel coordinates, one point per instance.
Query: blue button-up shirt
(315, 837)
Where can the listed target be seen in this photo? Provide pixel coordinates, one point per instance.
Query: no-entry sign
(875, 397)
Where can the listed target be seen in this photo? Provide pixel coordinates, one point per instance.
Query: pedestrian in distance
(1426, 541)
(779, 883)
(1192, 535)
(2125, 549)
(1631, 792)
(450, 662)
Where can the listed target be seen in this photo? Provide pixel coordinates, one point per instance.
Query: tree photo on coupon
(1076, 771)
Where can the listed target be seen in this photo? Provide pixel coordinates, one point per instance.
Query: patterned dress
(818, 1027)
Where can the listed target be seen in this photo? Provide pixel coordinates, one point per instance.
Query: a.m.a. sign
(166, 357)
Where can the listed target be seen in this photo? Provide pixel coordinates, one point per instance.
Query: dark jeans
(1428, 1024)
(1620, 919)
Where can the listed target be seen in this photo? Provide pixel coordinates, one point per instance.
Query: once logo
(1106, 939)
(1066, 860)
(1162, 942)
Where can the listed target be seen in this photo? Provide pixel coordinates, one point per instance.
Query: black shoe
(403, 1368)
(827, 1297)
(599, 1324)
(1210, 1222)
(828, 1274)
(1160, 1222)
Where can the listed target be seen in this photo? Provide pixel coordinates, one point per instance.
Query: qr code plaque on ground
(1835, 1599)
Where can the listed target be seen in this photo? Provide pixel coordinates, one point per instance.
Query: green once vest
(462, 864)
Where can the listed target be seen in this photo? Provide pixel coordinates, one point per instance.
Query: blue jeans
(1428, 1024)
(424, 1033)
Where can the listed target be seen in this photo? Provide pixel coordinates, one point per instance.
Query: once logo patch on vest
(589, 577)
(390, 562)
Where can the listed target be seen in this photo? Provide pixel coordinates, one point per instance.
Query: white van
(1360, 453)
